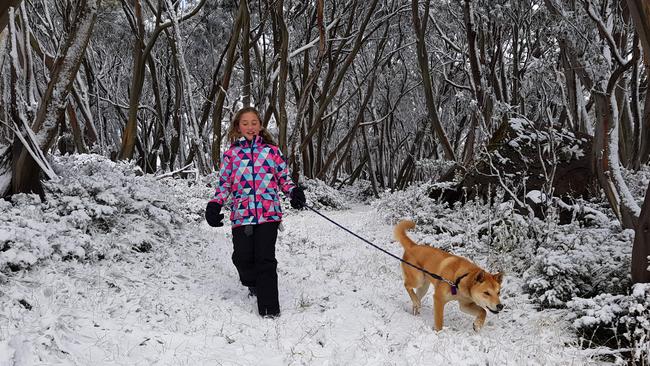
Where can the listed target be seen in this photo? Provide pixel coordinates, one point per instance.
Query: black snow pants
(254, 257)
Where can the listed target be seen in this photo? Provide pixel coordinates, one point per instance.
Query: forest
(542, 105)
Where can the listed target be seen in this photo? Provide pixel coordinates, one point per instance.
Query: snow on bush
(557, 262)
(618, 321)
(320, 195)
(101, 209)
(494, 235)
(361, 191)
(96, 209)
(579, 263)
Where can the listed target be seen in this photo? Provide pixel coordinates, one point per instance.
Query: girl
(254, 170)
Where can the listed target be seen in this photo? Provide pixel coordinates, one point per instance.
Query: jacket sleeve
(282, 173)
(225, 179)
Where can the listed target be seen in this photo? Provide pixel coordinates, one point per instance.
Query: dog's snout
(499, 307)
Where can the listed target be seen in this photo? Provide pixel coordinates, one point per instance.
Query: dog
(476, 289)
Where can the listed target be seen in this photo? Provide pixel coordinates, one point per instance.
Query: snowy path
(342, 304)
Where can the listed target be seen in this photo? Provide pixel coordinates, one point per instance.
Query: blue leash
(454, 285)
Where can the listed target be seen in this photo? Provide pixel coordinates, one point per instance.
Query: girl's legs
(266, 265)
(254, 258)
(243, 256)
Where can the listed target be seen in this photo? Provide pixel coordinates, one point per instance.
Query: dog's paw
(477, 326)
(416, 310)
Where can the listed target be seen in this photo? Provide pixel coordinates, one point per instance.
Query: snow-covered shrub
(23, 236)
(495, 231)
(637, 181)
(432, 169)
(558, 262)
(320, 195)
(96, 209)
(618, 321)
(360, 191)
(413, 203)
(578, 262)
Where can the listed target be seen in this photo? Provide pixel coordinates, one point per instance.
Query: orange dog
(477, 289)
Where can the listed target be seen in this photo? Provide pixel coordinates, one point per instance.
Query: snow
(342, 303)
(180, 303)
(536, 196)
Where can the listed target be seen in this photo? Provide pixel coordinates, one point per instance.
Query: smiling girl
(253, 170)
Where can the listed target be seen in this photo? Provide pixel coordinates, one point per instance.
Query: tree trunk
(245, 55)
(317, 119)
(195, 139)
(53, 103)
(4, 12)
(140, 55)
(641, 247)
(606, 157)
(281, 38)
(371, 170)
(640, 12)
(137, 82)
(217, 111)
(423, 60)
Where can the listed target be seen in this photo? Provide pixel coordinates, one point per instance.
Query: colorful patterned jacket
(253, 172)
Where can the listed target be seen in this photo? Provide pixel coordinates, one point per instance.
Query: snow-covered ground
(342, 303)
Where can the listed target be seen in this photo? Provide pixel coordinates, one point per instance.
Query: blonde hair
(234, 134)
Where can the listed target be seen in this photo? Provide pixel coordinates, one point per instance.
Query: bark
(333, 89)
(606, 157)
(29, 157)
(407, 169)
(195, 139)
(477, 84)
(4, 12)
(423, 61)
(371, 170)
(141, 52)
(309, 80)
(640, 13)
(641, 247)
(347, 140)
(137, 83)
(281, 37)
(245, 54)
(217, 111)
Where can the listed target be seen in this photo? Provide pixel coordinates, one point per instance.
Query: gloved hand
(213, 215)
(298, 200)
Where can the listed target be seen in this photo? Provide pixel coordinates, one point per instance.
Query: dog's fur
(477, 290)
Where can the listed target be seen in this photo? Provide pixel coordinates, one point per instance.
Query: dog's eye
(486, 293)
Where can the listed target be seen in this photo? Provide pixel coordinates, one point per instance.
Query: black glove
(298, 200)
(212, 215)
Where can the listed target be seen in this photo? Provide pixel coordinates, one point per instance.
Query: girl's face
(249, 126)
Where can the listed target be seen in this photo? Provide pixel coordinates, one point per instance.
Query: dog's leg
(414, 298)
(413, 280)
(438, 308)
(473, 309)
(422, 290)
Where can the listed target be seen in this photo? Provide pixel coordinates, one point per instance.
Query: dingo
(477, 289)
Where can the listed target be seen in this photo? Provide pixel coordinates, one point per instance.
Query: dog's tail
(400, 233)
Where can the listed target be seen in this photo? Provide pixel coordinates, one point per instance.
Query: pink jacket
(254, 172)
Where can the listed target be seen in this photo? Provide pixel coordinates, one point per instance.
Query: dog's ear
(498, 277)
(480, 276)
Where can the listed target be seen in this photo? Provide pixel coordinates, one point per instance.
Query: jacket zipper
(254, 189)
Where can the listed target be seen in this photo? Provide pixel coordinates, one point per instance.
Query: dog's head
(485, 289)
